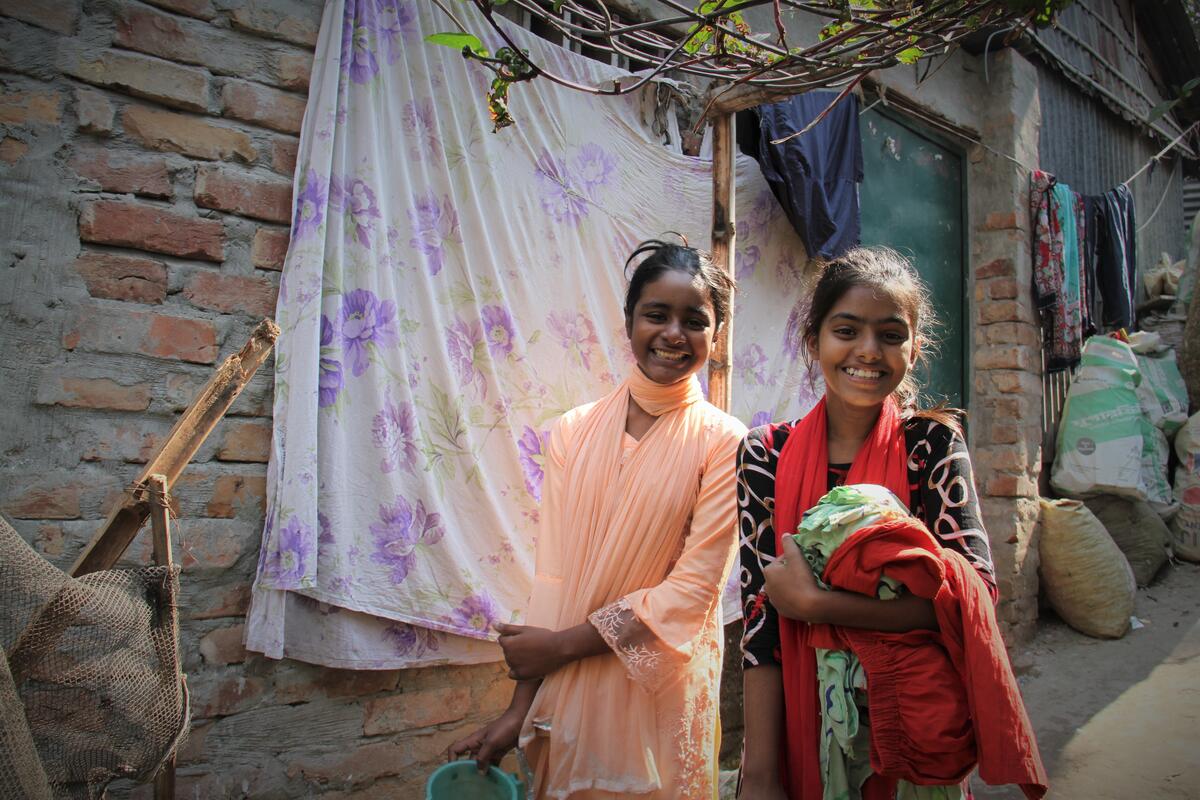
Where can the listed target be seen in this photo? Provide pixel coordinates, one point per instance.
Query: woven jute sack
(1137, 530)
(1087, 579)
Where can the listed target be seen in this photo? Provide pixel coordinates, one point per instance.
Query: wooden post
(177, 449)
(723, 235)
(160, 531)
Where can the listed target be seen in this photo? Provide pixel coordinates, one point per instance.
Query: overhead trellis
(713, 41)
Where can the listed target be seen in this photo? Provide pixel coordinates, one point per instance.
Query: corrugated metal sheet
(1099, 47)
(1191, 204)
(1087, 146)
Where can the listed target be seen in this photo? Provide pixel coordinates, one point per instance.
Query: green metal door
(912, 201)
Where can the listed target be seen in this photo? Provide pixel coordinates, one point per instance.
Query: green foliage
(1042, 12)
(459, 41)
(1181, 93)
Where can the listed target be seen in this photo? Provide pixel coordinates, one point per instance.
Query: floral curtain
(448, 292)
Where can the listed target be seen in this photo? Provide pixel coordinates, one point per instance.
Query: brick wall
(146, 156)
(1006, 414)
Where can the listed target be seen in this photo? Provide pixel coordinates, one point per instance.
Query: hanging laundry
(1116, 262)
(1056, 270)
(1093, 221)
(815, 176)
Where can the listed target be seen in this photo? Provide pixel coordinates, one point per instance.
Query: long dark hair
(885, 271)
(665, 256)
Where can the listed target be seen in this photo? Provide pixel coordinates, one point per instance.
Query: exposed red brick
(1016, 382)
(1003, 434)
(280, 19)
(233, 694)
(1000, 221)
(1004, 357)
(231, 294)
(153, 78)
(128, 442)
(262, 105)
(60, 16)
(153, 228)
(999, 268)
(119, 277)
(300, 687)
(12, 150)
(214, 545)
(123, 174)
(122, 330)
(402, 712)
(201, 9)
(269, 248)
(60, 501)
(232, 494)
(224, 645)
(1002, 288)
(1002, 311)
(233, 602)
(294, 70)
(191, 136)
(94, 112)
(246, 441)
(244, 194)
(1004, 485)
(50, 540)
(155, 33)
(30, 108)
(1013, 333)
(74, 391)
(283, 155)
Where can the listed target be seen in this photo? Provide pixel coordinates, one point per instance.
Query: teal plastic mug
(461, 780)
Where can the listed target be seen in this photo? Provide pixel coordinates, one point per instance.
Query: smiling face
(672, 326)
(865, 347)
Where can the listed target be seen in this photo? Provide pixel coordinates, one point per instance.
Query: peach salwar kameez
(636, 537)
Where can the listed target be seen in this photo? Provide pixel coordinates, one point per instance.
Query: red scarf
(801, 479)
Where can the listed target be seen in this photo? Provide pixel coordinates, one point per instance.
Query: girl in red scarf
(866, 328)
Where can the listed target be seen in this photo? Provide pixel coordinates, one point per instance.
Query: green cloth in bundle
(841, 679)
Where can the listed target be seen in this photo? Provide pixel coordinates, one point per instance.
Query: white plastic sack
(1156, 481)
(1162, 392)
(1185, 527)
(1100, 435)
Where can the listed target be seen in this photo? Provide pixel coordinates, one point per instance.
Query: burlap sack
(1137, 530)
(1185, 526)
(1086, 577)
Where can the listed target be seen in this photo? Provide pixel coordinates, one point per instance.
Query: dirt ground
(1119, 720)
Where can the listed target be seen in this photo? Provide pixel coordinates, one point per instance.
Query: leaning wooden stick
(190, 431)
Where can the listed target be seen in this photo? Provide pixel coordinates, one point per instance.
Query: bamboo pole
(723, 234)
(160, 531)
(190, 431)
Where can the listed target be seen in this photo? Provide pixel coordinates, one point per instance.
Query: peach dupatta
(638, 538)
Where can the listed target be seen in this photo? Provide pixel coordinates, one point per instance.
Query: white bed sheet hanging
(447, 293)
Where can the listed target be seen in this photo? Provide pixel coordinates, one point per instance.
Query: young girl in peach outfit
(618, 667)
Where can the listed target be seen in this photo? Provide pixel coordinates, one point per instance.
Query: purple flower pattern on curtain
(447, 293)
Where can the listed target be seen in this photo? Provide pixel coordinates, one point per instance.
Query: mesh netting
(91, 688)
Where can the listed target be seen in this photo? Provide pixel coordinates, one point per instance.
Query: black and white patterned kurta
(941, 494)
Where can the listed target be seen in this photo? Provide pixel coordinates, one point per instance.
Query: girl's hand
(791, 586)
(531, 652)
(490, 743)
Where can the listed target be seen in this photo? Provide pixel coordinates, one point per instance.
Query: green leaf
(910, 55)
(1161, 109)
(459, 41)
(1187, 87)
